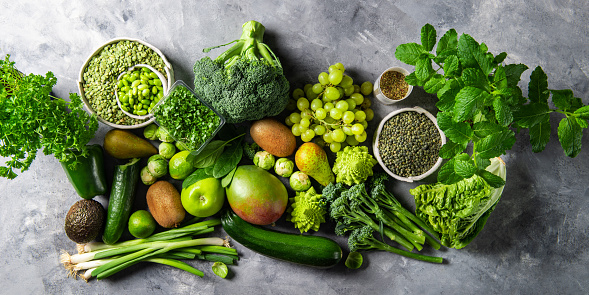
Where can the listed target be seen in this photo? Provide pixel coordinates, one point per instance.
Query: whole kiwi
(84, 221)
(165, 204)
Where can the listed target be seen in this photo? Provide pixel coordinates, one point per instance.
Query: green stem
(177, 264)
(408, 254)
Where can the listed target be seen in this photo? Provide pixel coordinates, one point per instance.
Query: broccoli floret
(250, 150)
(246, 82)
(332, 191)
(362, 239)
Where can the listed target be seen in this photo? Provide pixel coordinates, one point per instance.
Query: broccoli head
(246, 82)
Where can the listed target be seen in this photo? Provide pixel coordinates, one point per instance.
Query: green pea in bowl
(407, 142)
(139, 89)
(97, 83)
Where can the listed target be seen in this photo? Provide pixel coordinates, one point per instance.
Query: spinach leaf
(228, 160)
(195, 177)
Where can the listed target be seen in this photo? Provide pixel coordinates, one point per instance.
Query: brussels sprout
(164, 136)
(284, 167)
(264, 160)
(181, 146)
(167, 150)
(157, 165)
(146, 176)
(300, 181)
(150, 132)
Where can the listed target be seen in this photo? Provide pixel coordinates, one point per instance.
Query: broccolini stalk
(363, 239)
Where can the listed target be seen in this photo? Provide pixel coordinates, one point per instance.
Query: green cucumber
(307, 250)
(121, 200)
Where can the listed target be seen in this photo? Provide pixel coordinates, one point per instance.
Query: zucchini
(307, 250)
(121, 200)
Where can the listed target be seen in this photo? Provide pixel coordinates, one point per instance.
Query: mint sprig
(481, 105)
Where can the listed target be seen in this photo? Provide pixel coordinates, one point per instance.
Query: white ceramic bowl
(160, 76)
(377, 152)
(378, 92)
(168, 69)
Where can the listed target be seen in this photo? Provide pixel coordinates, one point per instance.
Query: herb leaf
(468, 100)
(540, 134)
(428, 37)
(570, 135)
(495, 144)
(470, 54)
(409, 53)
(538, 86)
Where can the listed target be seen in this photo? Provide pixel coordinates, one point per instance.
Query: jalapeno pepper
(88, 177)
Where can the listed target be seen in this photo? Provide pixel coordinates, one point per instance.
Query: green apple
(203, 198)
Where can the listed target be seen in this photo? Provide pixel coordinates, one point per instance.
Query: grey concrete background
(534, 243)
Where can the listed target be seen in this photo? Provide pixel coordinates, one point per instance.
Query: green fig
(312, 160)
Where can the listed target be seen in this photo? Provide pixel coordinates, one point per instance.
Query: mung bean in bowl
(390, 87)
(407, 142)
(98, 78)
(139, 89)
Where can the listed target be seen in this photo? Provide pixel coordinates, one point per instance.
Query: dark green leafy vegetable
(31, 118)
(210, 153)
(246, 82)
(184, 117)
(228, 159)
(480, 100)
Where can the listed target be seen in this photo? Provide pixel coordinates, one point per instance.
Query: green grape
(346, 81)
(317, 88)
(292, 105)
(361, 137)
(360, 116)
(351, 104)
(358, 98)
(332, 68)
(331, 93)
(302, 104)
(288, 122)
(319, 141)
(330, 120)
(305, 122)
(349, 90)
(307, 114)
(348, 117)
(319, 129)
(366, 88)
(295, 118)
(342, 105)
(323, 78)
(328, 106)
(316, 104)
(351, 140)
(341, 92)
(335, 147)
(369, 114)
(302, 128)
(347, 130)
(327, 137)
(364, 124)
(320, 114)
(307, 135)
(366, 103)
(357, 128)
(338, 135)
(298, 93)
(295, 130)
(310, 94)
(336, 77)
(336, 113)
(306, 87)
(356, 88)
(340, 66)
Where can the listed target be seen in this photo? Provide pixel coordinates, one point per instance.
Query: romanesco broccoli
(307, 210)
(353, 165)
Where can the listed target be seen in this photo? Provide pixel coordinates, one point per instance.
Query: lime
(180, 168)
(141, 224)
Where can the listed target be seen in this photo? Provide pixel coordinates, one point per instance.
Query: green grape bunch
(333, 112)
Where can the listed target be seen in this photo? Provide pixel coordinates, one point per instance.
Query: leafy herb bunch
(480, 103)
(31, 118)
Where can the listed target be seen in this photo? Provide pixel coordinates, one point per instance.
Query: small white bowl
(159, 75)
(378, 93)
(167, 67)
(377, 152)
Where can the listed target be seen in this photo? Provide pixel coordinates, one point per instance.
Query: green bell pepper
(88, 178)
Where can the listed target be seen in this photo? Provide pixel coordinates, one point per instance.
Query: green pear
(312, 160)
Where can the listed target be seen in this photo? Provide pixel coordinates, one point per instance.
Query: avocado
(84, 221)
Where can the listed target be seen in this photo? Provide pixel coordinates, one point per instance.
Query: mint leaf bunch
(480, 103)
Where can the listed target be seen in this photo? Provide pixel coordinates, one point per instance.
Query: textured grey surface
(534, 243)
